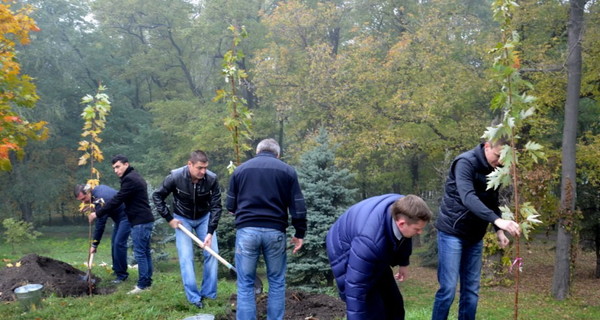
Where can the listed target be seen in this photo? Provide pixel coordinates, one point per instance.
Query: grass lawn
(166, 300)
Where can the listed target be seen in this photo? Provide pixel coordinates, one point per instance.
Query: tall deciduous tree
(16, 90)
(568, 219)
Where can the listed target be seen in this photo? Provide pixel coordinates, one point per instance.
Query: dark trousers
(385, 301)
(120, 235)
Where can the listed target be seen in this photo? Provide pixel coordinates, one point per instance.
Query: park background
(365, 97)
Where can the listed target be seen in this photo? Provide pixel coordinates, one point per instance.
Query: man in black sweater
(134, 195)
(261, 193)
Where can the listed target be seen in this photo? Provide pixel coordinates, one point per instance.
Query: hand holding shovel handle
(258, 286)
(207, 249)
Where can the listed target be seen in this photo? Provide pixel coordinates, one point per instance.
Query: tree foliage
(16, 90)
(326, 189)
(18, 232)
(97, 107)
(239, 123)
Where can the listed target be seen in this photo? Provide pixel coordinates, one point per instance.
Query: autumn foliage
(16, 90)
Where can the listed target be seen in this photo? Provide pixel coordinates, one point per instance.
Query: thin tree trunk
(597, 245)
(564, 239)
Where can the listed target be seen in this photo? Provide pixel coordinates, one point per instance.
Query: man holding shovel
(197, 207)
(121, 230)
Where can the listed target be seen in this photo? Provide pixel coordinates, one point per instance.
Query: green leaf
(524, 114)
(491, 133)
(499, 177)
(507, 214)
(535, 151)
(506, 155)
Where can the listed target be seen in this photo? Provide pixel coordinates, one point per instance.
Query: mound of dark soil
(300, 305)
(56, 276)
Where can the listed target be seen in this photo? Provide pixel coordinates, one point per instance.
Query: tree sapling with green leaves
(517, 107)
(94, 115)
(239, 123)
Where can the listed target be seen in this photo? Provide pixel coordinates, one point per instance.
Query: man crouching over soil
(372, 236)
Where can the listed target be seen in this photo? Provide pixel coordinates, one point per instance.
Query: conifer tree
(327, 195)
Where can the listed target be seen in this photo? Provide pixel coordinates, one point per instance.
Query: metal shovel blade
(88, 275)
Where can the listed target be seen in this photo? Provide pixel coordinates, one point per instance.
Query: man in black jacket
(134, 194)
(196, 206)
(467, 208)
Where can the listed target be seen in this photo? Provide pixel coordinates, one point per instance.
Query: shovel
(88, 275)
(258, 286)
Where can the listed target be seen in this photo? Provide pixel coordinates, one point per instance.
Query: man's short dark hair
(118, 158)
(413, 208)
(499, 142)
(78, 189)
(198, 156)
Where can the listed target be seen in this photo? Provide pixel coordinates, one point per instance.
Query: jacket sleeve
(361, 276)
(297, 209)
(405, 252)
(126, 191)
(231, 201)
(215, 207)
(465, 186)
(99, 230)
(159, 196)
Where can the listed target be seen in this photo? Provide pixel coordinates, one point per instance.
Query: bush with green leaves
(18, 231)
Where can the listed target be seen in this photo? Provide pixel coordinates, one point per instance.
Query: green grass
(166, 300)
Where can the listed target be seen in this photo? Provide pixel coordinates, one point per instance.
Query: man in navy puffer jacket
(364, 243)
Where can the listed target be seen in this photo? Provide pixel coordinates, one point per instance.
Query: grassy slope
(166, 299)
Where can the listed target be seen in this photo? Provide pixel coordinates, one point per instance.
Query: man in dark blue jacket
(261, 193)
(121, 230)
(197, 207)
(467, 209)
(364, 243)
(134, 194)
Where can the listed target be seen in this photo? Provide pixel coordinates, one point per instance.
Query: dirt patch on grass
(299, 305)
(57, 277)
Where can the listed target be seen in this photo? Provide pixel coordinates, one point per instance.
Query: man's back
(262, 190)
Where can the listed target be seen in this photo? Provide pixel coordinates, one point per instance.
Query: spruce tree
(327, 195)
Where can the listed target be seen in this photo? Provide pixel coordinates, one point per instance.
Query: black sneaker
(199, 304)
(117, 281)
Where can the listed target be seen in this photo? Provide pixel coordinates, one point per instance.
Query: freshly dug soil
(63, 280)
(56, 276)
(300, 305)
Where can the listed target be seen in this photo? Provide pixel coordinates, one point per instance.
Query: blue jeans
(250, 243)
(185, 251)
(141, 235)
(457, 259)
(119, 238)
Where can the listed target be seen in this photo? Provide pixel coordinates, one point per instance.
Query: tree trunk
(26, 211)
(564, 239)
(597, 245)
